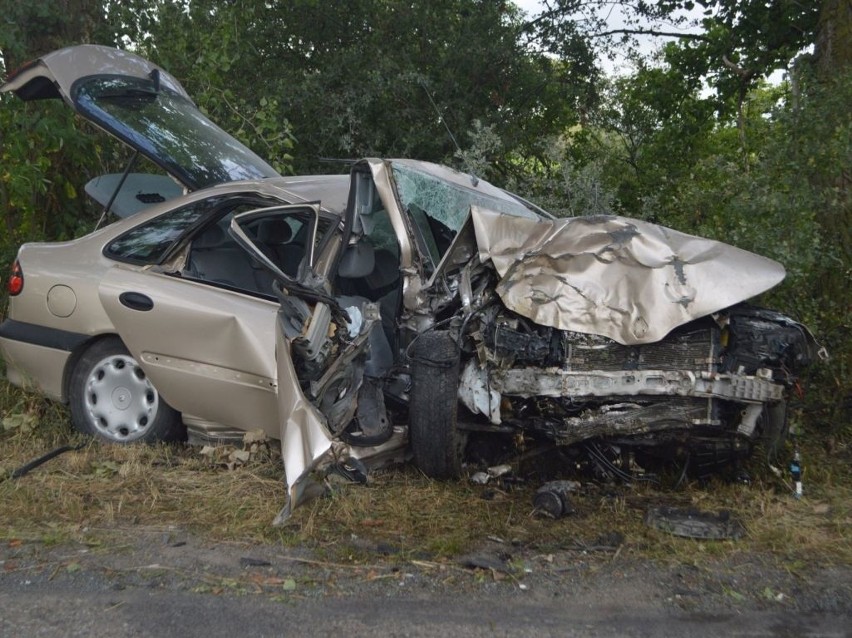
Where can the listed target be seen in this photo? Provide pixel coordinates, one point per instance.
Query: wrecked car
(404, 308)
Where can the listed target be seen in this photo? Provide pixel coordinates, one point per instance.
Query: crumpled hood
(622, 278)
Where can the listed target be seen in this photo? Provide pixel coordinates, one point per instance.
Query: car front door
(321, 346)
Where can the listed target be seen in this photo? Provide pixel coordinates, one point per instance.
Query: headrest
(274, 231)
(212, 237)
(358, 260)
(386, 271)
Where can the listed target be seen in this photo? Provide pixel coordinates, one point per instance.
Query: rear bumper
(36, 356)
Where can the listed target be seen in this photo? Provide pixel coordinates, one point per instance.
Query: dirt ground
(166, 581)
(164, 541)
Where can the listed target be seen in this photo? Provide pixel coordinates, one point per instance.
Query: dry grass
(87, 493)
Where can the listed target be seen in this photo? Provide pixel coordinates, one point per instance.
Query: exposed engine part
(625, 412)
(350, 470)
(553, 499)
(514, 341)
(476, 393)
(694, 347)
(372, 424)
(615, 462)
(615, 419)
(758, 338)
(752, 339)
(750, 414)
(335, 392)
(700, 453)
(309, 330)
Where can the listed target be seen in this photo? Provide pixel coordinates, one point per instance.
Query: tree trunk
(833, 46)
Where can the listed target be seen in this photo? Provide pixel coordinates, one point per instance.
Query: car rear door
(208, 350)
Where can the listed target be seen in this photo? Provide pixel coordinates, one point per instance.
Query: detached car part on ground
(345, 315)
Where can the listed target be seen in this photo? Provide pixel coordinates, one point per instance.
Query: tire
(112, 399)
(436, 442)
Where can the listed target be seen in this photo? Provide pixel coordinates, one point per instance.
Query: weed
(88, 494)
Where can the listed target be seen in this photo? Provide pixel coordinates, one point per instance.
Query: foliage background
(692, 136)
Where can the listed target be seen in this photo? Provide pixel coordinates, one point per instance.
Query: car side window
(149, 243)
(285, 238)
(215, 257)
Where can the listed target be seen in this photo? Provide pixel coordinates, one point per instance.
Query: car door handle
(136, 301)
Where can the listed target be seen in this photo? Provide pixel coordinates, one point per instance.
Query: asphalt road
(48, 610)
(174, 584)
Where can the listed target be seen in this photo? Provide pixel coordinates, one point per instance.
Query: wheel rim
(120, 401)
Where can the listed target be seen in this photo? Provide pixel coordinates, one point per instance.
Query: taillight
(16, 281)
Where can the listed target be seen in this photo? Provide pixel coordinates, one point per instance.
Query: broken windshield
(439, 207)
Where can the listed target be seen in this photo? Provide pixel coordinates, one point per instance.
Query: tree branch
(653, 32)
(745, 74)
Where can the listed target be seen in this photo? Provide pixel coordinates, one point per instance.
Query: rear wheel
(436, 442)
(112, 398)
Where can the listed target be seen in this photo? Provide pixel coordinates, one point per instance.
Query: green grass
(88, 495)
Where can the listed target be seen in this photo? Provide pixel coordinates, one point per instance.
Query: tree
(41, 148)
(35, 27)
(733, 45)
(368, 77)
(833, 42)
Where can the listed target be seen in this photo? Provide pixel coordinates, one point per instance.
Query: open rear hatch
(144, 107)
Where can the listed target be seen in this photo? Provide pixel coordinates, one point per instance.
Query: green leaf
(23, 422)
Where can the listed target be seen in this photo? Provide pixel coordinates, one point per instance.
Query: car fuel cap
(61, 301)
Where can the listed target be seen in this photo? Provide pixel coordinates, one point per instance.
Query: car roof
(331, 191)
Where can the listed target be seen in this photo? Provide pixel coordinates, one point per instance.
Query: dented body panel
(295, 305)
(625, 279)
(598, 317)
(207, 348)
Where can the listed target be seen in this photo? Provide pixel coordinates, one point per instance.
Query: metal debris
(694, 523)
(552, 499)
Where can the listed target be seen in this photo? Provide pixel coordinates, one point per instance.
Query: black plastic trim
(136, 301)
(41, 335)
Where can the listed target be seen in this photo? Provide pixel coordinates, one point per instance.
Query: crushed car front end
(618, 343)
(707, 390)
(613, 332)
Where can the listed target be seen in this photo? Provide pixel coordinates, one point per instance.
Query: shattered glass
(439, 208)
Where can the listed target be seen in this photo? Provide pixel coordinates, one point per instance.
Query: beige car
(404, 307)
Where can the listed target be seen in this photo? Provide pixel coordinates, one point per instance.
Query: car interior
(216, 257)
(368, 270)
